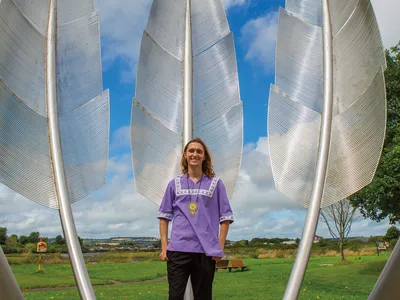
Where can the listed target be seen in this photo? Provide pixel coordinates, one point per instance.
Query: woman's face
(195, 154)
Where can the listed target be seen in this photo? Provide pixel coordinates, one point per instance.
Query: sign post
(41, 248)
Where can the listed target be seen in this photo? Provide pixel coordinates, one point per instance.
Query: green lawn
(104, 273)
(266, 279)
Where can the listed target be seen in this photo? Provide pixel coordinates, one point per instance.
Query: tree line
(380, 199)
(27, 244)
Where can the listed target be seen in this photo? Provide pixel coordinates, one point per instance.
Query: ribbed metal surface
(71, 10)
(209, 24)
(84, 139)
(24, 150)
(357, 140)
(320, 157)
(216, 87)
(36, 12)
(78, 63)
(218, 112)
(22, 52)
(159, 84)
(341, 10)
(299, 60)
(293, 132)
(359, 105)
(307, 10)
(224, 137)
(157, 127)
(358, 55)
(166, 25)
(24, 142)
(156, 153)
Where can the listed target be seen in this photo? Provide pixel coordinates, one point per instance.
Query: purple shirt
(198, 233)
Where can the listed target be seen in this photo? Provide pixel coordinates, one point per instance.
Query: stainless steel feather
(54, 115)
(158, 123)
(327, 109)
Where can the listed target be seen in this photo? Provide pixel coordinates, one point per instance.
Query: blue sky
(117, 209)
(254, 77)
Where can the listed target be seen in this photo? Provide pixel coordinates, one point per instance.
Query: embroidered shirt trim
(226, 218)
(165, 215)
(209, 192)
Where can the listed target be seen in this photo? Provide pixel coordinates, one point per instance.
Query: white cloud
(230, 3)
(122, 23)
(121, 137)
(259, 36)
(387, 12)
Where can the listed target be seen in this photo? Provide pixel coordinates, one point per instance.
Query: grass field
(326, 278)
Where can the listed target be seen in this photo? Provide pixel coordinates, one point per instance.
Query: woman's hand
(163, 255)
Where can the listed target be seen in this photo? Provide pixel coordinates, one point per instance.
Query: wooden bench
(222, 264)
(235, 264)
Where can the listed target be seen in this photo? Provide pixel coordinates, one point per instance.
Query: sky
(117, 209)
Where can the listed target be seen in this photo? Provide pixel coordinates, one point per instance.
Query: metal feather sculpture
(387, 286)
(327, 109)
(54, 117)
(186, 86)
(9, 288)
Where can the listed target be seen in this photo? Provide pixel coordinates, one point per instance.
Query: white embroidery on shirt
(209, 192)
(165, 215)
(225, 218)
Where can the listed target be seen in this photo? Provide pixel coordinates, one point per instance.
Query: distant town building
(317, 238)
(108, 244)
(289, 242)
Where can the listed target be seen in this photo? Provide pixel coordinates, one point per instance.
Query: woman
(197, 203)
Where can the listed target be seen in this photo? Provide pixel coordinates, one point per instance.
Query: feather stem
(310, 227)
(188, 100)
(188, 78)
(71, 237)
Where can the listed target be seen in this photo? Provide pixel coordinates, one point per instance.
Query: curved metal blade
(358, 109)
(217, 111)
(9, 288)
(322, 162)
(53, 122)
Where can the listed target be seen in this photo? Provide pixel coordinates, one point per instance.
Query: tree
(34, 237)
(339, 218)
(3, 235)
(157, 244)
(23, 239)
(380, 199)
(12, 240)
(59, 240)
(241, 243)
(80, 241)
(376, 238)
(392, 233)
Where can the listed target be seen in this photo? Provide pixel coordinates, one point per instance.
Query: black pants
(201, 269)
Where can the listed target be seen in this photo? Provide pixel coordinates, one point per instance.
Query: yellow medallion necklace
(193, 206)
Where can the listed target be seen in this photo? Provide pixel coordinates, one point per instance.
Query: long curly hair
(207, 162)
